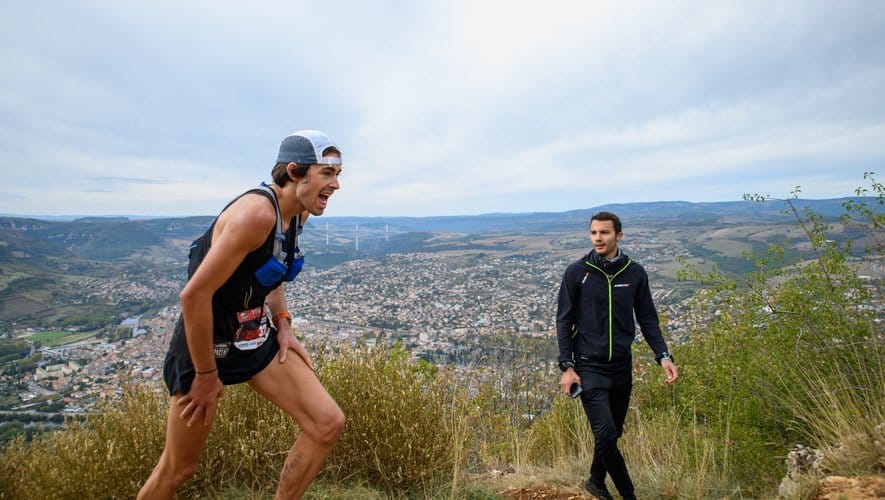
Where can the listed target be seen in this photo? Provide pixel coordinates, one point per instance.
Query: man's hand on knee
(202, 399)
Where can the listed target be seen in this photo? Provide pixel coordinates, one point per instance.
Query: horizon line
(72, 217)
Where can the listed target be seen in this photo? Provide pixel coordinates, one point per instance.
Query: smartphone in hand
(575, 390)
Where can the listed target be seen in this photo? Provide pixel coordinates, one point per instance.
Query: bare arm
(243, 227)
(276, 299)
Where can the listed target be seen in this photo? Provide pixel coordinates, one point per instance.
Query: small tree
(798, 313)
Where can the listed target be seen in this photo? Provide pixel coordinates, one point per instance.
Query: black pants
(606, 398)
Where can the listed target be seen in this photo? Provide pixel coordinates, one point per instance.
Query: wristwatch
(565, 365)
(664, 355)
(281, 315)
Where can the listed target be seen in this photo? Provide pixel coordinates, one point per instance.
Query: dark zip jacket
(594, 317)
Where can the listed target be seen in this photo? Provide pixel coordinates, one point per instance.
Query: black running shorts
(235, 367)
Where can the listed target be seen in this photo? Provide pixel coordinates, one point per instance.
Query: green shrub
(774, 341)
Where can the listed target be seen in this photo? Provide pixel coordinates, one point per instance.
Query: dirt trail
(546, 492)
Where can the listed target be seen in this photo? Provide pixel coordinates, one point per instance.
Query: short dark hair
(607, 216)
(280, 173)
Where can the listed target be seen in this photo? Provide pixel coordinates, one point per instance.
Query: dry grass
(675, 456)
(400, 432)
(843, 410)
(108, 456)
(668, 455)
(561, 436)
(413, 433)
(399, 438)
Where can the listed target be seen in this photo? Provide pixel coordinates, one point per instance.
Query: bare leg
(180, 457)
(295, 388)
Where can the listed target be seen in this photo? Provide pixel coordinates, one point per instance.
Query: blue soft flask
(271, 272)
(295, 266)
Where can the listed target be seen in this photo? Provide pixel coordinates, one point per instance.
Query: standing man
(234, 325)
(595, 330)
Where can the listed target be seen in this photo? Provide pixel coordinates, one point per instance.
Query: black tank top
(238, 314)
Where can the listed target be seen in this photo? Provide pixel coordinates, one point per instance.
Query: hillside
(87, 272)
(647, 213)
(437, 347)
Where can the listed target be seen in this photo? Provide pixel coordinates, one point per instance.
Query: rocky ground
(864, 487)
(829, 488)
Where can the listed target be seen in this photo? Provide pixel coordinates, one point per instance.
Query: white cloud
(440, 107)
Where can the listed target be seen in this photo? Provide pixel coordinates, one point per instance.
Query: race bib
(253, 329)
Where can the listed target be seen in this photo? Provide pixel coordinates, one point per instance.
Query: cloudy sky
(440, 107)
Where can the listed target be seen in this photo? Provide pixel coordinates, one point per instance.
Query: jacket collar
(607, 265)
